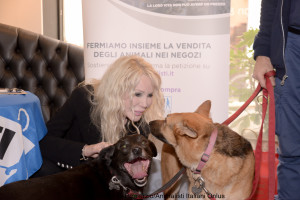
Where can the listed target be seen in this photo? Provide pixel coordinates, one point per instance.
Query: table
(21, 128)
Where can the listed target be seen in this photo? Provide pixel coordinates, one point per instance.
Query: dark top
(270, 40)
(71, 128)
(295, 14)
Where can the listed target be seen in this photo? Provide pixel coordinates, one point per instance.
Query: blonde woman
(126, 98)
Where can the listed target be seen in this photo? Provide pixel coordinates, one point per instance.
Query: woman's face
(141, 100)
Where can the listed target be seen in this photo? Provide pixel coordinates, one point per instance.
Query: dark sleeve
(262, 40)
(54, 146)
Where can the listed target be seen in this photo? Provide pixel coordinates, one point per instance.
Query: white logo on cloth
(12, 145)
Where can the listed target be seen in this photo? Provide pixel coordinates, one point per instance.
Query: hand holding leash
(262, 67)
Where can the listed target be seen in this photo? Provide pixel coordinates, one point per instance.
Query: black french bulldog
(120, 171)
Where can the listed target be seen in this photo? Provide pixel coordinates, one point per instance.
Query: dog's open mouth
(138, 170)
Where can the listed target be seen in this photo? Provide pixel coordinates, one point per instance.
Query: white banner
(186, 41)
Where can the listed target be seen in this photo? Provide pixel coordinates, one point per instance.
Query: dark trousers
(287, 100)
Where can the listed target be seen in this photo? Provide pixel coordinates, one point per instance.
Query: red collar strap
(135, 195)
(207, 152)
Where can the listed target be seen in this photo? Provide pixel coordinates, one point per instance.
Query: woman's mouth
(138, 113)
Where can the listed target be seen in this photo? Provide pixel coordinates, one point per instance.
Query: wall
(52, 14)
(24, 14)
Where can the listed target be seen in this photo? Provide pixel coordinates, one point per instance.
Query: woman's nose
(144, 103)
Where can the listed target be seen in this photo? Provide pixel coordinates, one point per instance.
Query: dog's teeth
(142, 179)
(141, 182)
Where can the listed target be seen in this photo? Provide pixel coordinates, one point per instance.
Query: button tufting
(58, 50)
(49, 60)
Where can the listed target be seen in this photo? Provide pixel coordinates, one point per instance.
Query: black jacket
(270, 40)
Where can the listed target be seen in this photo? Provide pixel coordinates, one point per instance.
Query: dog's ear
(204, 108)
(153, 148)
(106, 154)
(185, 129)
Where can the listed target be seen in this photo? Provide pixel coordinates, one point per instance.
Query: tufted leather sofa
(47, 67)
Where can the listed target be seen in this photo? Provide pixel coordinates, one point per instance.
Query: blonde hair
(108, 103)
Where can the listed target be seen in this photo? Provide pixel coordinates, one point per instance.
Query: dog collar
(135, 195)
(207, 152)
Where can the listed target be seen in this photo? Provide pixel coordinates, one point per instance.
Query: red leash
(268, 94)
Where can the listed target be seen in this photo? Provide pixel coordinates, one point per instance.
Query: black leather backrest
(47, 67)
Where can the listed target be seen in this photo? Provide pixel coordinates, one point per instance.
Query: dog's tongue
(137, 169)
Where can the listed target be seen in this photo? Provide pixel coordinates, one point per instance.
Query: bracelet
(82, 153)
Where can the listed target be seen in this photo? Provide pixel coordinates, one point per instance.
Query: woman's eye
(138, 94)
(150, 95)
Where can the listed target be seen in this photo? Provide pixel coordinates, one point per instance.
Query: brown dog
(119, 170)
(229, 172)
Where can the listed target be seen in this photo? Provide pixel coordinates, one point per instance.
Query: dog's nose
(137, 150)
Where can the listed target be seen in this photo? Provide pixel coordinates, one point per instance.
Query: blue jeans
(287, 102)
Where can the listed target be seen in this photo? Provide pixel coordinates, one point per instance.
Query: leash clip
(115, 183)
(199, 185)
(198, 189)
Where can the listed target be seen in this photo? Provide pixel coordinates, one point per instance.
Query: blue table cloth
(21, 128)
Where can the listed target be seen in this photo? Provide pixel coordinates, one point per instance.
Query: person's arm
(56, 147)
(262, 40)
(53, 146)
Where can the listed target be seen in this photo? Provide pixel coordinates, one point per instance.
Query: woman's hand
(93, 150)
(263, 65)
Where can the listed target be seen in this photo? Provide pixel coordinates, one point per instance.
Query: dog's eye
(124, 146)
(143, 142)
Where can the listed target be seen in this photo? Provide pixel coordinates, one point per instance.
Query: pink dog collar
(207, 152)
